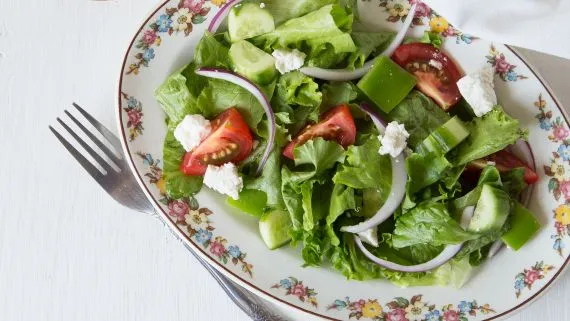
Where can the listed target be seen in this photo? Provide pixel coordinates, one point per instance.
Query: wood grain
(67, 251)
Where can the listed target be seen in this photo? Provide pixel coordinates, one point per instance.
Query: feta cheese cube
(192, 130)
(224, 179)
(394, 140)
(479, 91)
(369, 236)
(288, 60)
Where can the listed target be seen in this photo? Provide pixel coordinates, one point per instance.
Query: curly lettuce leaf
(178, 185)
(294, 88)
(368, 43)
(424, 170)
(342, 199)
(211, 53)
(337, 93)
(283, 10)
(489, 134)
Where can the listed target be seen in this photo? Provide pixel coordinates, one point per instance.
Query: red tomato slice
(229, 141)
(505, 161)
(336, 124)
(438, 83)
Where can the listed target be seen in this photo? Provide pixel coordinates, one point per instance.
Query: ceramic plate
(230, 240)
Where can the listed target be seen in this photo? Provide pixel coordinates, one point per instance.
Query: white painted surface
(65, 253)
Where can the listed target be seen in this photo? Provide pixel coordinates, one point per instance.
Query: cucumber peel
(247, 20)
(274, 227)
(252, 62)
(444, 138)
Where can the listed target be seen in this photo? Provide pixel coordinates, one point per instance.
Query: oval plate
(230, 240)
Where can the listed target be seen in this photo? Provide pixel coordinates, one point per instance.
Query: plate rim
(181, 236)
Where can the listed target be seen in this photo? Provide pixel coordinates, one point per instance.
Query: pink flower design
(149, 37)
(178, 209)
(560, 229)
(560, 132)
(134, 117)
(217, 249)
(449, 32)
(194, 5)
(501, 64)
(422, 9)
(531, 276)
(451, 315)
(359, 304)
(565, 189)
(299, 290)
(397, 314)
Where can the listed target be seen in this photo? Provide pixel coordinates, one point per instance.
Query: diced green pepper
(251, 201)
(387, 84)
(523, 227)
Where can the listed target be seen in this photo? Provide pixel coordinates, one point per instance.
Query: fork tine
(101, 128)
(88, 148)
(92, 170)
(97, 142)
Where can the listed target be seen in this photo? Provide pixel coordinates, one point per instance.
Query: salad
(370, 151)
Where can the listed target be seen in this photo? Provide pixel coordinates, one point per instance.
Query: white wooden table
(65, 251)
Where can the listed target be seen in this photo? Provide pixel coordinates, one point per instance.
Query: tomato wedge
(229, 141)
(336, 124)
(436, 73)
(505, 161)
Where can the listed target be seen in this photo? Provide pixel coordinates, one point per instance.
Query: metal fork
(123, 187)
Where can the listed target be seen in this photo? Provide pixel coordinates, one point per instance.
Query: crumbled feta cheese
(369, 236)
(192, 130)
(288, 60)
(394, 140)
(224, 179)
(262, 5)
(478, 90)
(436, 64)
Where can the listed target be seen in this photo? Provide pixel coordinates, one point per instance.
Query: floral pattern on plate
(134, 115)
(295, 287)
(173, 21)
(398, 11)
(415, 309)
(195, 221)
(526, 278)
(502, 67)
(558, 170)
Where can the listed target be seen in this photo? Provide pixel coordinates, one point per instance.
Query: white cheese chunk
(436, 64)
(192, 130)
(224, 179)
(288, 60)
(262, 5)
(394, 140)
(369, 236)
(479, 91)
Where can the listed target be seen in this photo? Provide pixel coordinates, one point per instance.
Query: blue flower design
(285, 283)
(558, 245)
(203, 236)
(132, 102)
(467, 38)
(148, 159)
(512, 76)
(545, 124)
(519, 284)
(164, 23)
(339, 304)
(148, 54)
(564, 152)
(465, 307)
(234, 251)
(433, 315)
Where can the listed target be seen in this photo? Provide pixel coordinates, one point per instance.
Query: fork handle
(247, 302)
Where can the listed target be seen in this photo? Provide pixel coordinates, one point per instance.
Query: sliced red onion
(346, 74)
(447, 254)
(221, 15)
(257, 93)
(398, 189)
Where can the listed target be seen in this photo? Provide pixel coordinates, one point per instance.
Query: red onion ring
(346, 74)
(257, 93)
(447, 254)
(398, 189)
(221, 15)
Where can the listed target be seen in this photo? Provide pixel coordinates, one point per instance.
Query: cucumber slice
(387, 84)
(247, 20)
(274, 228)
(523, 227)
(250, 201)
(252, 62)
(493, 208)
(445, 138)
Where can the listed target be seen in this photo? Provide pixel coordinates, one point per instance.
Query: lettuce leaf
(424, 170)
(368, 43)
(420, 115)
(341, 200)
(211, 53)
(489, 134)
(429, 223)
(283, 10)
(294, 88)
(178, 185)
(336, 93)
